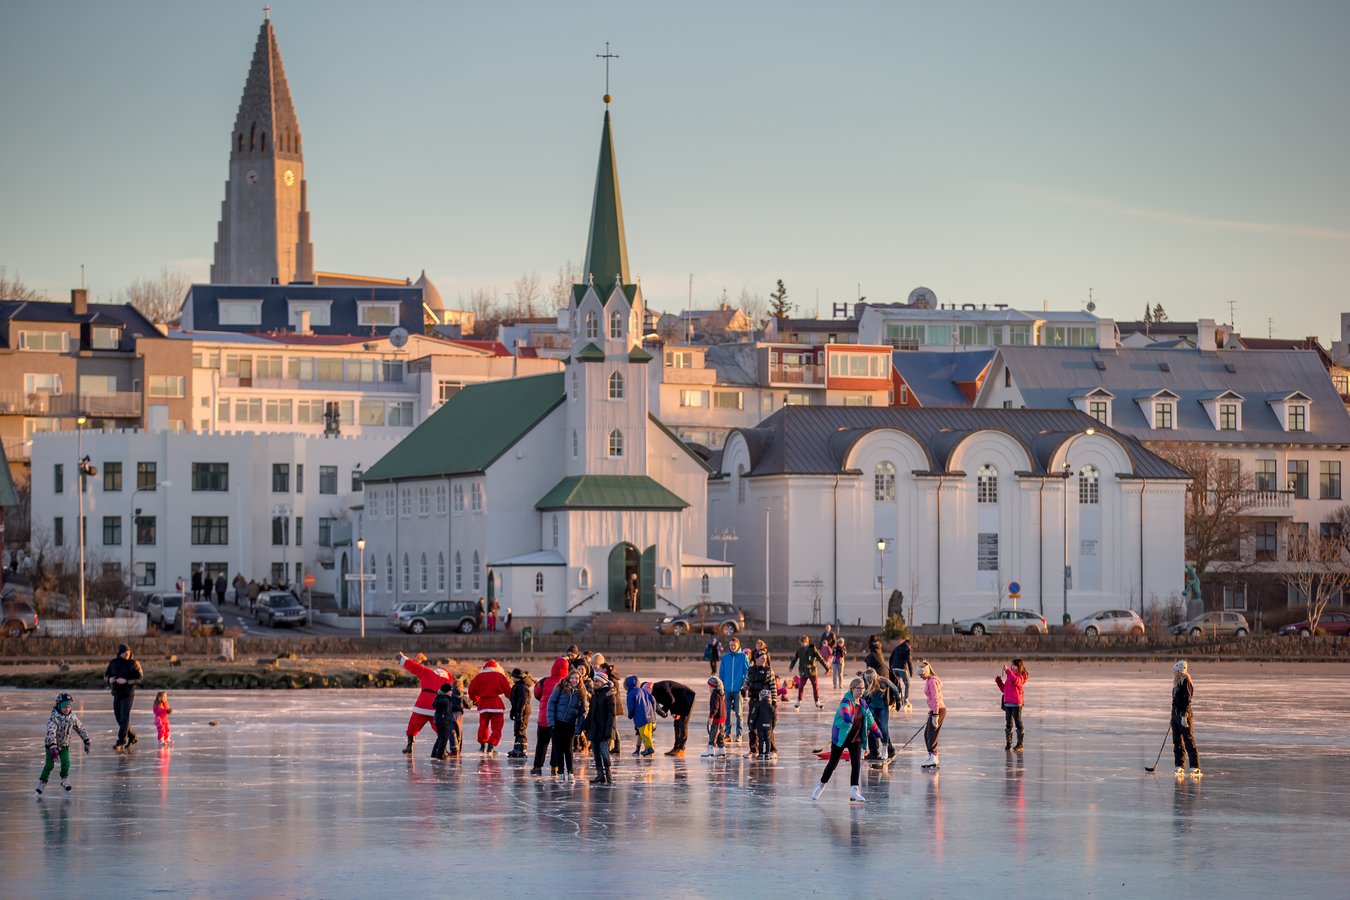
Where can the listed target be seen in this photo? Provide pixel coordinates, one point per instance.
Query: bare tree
(12, 287)
(1316, 567)
(485, 305)
(159, 299)
(1215, 501)
(524, 296)
(754, 306)
(560, 291)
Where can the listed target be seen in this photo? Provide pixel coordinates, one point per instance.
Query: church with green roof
(558, 495)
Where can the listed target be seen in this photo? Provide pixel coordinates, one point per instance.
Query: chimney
(79, 301)
(1205, 335)
(303, 327)
(1106, 334)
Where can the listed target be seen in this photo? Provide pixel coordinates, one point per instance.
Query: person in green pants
(57, 744)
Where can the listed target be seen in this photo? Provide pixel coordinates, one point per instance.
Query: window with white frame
(1298, 417)
(616, 386)
(616, 326)
(407, 574)
(389, 572)
(538, 582)
(459, 498)
(426, 583)
(459, 573)
(1163, 413)
(705, 585)
(592, 325)
(320, 312)
(373, 504)
(616, 444)
(728, 400)
(376, 313)
(41, 383)
(44, 341)
(1228, 417)
(440, 572)
(1089, 485)
(584, 578)
(103, 337)
(442, 502)
(239, 312)
(476, 493)
(555, 531)
(883, 483)
(666, 578)
(986, 485)
(423, 500)
(740, 483)
(477, 573)
(1099, 411)
(694, 398)
(405, 502)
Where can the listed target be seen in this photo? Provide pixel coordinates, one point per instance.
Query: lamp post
(135, 523)
(724, 536)
(85, 470)
(283, 511)
(881, 576)
(361, 550)
(1068, 470)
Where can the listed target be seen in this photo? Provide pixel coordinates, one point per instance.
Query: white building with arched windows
(948, 506)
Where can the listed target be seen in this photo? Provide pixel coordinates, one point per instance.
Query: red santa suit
(430, 680)
(486, 691)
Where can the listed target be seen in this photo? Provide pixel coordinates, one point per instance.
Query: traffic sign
(1014, 588)
(310, 580)
(356, 577)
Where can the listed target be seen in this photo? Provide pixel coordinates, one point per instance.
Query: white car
(1111, 621)
(162, 609)
(402, 612)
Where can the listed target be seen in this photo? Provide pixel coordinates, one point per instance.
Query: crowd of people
(580, 708)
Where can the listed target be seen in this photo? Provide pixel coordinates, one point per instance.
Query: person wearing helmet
(424, 709)
(1182, 739)
(57, 743)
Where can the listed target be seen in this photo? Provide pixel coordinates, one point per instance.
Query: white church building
(556, 494)
(838, 506)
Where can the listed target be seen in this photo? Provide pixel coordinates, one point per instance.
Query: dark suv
(17, 617)
(708, 616)
(443, 615)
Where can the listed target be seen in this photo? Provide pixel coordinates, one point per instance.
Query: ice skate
(1194, 773)
(817, 791)
(1018, 746)
(409, 746)
(65, 783)
(931, 762)
(855, 795)
(722, 752)
(536, 770)
(907, 707)
(1180, 772)
(819, 705)
(711, 751)
(41, 784)
(797, 705)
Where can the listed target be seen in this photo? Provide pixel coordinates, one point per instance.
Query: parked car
(1003, 621)
(203, 615)
(443, 615)
(717, 618)
(17, 617)
(1111, 621)
(280, 608)
(1337, 623)
(402, 611)
(1215, 624)
(162, 609)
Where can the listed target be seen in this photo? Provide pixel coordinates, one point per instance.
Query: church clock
(251, 177)
(289, 178)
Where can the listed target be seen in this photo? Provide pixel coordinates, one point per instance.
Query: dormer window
(1096, 403)
(1228, 417)
(1292, 410)
(1164, 412)
(103, 337)
(1159, 408)
(616, 326)
(1298, 417)
(1225, 410)
(376, 314)
(239, 312)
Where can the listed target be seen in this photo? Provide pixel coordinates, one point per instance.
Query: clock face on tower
(289, 178)
(251, 177)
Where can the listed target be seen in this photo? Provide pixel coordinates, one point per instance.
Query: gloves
(53, 751)
(401, 657)
(86, 746)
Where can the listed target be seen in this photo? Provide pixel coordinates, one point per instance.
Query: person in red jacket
(486, 691)
(423, 711)
(544, 729)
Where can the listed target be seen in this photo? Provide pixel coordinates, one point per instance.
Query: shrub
(895, 628)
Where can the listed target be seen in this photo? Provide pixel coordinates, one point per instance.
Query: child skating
(520, 712)
(1183, 689)
(852, 722)
(937, 712)
(162, 713)
(56, 745)
(717, 719)
(1011, 682)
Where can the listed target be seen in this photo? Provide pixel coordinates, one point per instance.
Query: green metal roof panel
(606, 247)
(472, 429)
(610, 492)
(637, 354)
(590, 353)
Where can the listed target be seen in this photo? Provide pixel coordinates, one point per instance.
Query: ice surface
(306, 794)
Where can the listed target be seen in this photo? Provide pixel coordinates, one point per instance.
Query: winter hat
(62, 699)
(122, 648)
(600, 679)
(715, 682)
(517, 674)
(445, 688)
(1180, 668)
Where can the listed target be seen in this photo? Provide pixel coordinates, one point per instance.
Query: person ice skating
(732, 669)
(56, 745)
(423, 709)
(937, 712)
(758, 677)
(162, 712)
(520, 713)
(763, 717)
(804, 660)
(852, 721)
(711, 655)
(599, 726)
(566, 712)
(838, 661)
(1011, 683)
(486, 692)
(448, 719)
(874, 659)
(717, 718)
(881, 693)
(1183, 689)
(677, 701)
(642, 710)
(901, 668)
(543, 692)
(122, 676)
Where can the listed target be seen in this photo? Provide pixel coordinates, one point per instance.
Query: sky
(1192, 155)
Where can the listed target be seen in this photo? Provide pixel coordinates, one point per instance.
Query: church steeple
(606, 246)
(264, 221)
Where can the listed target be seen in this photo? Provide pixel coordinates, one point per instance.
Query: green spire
(606, 248)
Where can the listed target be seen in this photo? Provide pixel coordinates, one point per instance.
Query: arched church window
(425, 582)
(665, 578)
(616, 326)
(538, 582)
(575, 448)
(389, 572)
(584, 578)
(459, 573)
(592, 325)
(1089, 485)
(883, 483)
(705, 585)
(740, 483)
(440, 572)
(616, 386)
(616, 444)
(986, 484)
(263, 145)
(253, 136)
(477, 573)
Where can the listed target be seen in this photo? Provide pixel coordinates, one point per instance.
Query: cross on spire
(267, 13)
(607, 56)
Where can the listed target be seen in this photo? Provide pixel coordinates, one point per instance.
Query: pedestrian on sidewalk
(852, 720)
(56, 745)
(122, 675)
(804, 660)
(937, 712)
(1183, 690)
(493, 608)
(1011, 682)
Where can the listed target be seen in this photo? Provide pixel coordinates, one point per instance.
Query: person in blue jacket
(642, 710)
(732, 670)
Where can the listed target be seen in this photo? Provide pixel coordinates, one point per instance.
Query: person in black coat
(674, 699)
(448, 720)
(520, 713)
(758, 677)
(600, 725)
(196, 584)
(874, 660)
(122, 675)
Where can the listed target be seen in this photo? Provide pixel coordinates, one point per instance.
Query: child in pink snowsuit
(162, 713)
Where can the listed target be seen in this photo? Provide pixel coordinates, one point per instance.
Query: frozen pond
(305, 794)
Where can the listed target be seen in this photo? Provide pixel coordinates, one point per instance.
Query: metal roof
(1049, 376)
(610, 492)
(933, 376)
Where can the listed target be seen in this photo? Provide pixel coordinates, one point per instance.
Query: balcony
(117, 404)
(291, 385)
(19, 451)
(810, 375)
(1267, 503)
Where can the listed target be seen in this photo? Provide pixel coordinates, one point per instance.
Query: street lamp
(86, 470)
(283, 511)
(135, 524)
(1068, 470)
(361, 549)
(881, 576)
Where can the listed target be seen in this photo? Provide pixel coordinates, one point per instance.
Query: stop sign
(310, 580)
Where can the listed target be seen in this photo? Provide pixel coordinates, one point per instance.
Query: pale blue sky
(1188, 154)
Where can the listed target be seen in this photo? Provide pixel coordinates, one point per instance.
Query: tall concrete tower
(264, 221)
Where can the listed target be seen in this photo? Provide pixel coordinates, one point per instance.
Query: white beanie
(1180, 667)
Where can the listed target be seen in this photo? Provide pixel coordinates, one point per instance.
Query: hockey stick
(1160, 750)
(912, 737)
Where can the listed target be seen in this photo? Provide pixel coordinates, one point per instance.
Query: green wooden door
(647, 578)
(617, 576)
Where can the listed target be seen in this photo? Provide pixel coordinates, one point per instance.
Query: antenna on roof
(1270, 327)
(1232, 316)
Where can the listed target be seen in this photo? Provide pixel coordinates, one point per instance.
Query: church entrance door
(625, 592)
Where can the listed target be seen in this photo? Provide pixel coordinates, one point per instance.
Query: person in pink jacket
(937, 712)
(486, 691)
(543, 689)
(1011, 682)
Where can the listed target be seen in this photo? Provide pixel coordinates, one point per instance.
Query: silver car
(1214, 624)
(1111, 621)
(162, 609)
(402, 612)
(1003, 621)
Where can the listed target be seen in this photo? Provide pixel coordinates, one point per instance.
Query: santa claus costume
(486, 691)
(423, 711)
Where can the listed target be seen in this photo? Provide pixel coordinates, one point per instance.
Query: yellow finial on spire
(607, 56)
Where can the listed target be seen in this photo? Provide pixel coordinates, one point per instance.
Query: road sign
(310, 580)
(354, 577)
(1014, 588)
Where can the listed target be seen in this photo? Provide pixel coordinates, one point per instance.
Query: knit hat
(715, 682)
(1180, 668)
(517, 674)
(600, 678)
